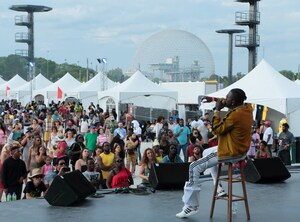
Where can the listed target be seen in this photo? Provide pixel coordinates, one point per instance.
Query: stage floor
(268, 202)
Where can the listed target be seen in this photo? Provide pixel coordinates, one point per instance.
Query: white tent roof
(2, 81)
(13, 83)
(297, 81)
(65, 83)
(97, 83)
(265, 86)
(139, 90)
(39, 82)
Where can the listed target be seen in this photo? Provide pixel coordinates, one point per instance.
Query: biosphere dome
(172, 54)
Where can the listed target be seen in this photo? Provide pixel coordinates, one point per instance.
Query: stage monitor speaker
(169, 175)
(69, 189)
(269, 170)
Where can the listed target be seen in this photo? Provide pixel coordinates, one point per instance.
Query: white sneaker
(220, 191)
(187, 212)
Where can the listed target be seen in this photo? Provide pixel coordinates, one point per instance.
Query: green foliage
(289, 74)
(116, 75)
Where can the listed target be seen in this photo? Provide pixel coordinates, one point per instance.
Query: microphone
(223, 102)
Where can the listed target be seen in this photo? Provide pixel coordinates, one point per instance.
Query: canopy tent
(139, 91)
(24, 91)
(2, 81)
(297, 81)
(88, 92)
(10, 85)
(65, 83)
(265, 86)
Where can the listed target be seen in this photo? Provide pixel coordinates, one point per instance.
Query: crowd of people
(40, 142)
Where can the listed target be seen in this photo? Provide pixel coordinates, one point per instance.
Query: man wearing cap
(268, 136)
(91, 140)
(13, 173)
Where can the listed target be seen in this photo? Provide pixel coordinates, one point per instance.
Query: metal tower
(251, 41)
(23, 37)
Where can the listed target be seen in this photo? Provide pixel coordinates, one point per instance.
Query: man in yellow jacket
(234, 137)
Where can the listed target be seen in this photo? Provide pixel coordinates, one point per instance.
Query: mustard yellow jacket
(234, 131)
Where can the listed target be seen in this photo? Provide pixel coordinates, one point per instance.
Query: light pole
(103, 61)
(230, 33)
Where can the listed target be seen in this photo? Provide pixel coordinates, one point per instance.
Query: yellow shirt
(234, 131)
(107, 160)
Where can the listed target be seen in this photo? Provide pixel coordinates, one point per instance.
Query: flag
(59, 93)
(6, 90)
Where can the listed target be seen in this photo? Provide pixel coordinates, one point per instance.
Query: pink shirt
(101, 139)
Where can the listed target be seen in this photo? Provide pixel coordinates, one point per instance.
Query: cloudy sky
(79, 29)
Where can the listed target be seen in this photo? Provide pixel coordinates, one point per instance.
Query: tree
(116, 75)
(289, 74)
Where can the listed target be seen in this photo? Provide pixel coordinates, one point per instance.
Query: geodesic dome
(174, 43)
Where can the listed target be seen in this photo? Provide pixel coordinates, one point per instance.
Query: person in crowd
(48, 123)
(36, 154)
(263, 151)
(158, 152)
(234, 137)
(268, 136)
(204, 130)
(119, 176)
(182, 133)
(84, 125)
(118, 151)
(60, 170)
(36, 128)
(121, 131)
(69, 137)
(117, 139)
(131, 145)
(75, 150)
(54, 140)
(35, 187)
(16, 131)
(106, 163)
(195, 133)
(62, 148)
(196, 122)
(47, 166)
(147, 161)
(5, 153)
(172, 157)
(59, 127)
(254, 145)
(14, 172)
(93, 176)
(102, 137)
(81, 163)
(192, 144)
(285, 140)
(91, 140)
(197, 153)
(158, 126)
(170, 124)
(137, 130)
(212, 139)
(26, 143)
(3, 135)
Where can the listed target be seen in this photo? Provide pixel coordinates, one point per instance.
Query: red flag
(7, 88)
(59, 93)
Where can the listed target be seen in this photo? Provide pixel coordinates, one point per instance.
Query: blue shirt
(176, 160)
(121, 132)
(183, 136)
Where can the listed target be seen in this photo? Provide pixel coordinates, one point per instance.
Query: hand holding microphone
(220, 102)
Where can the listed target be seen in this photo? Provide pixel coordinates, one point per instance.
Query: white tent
(23, 92)
(65, 83)
(88, 92)
(2, 81)
(140, 91)
(297, 81)
(265, 86)
(12, 84)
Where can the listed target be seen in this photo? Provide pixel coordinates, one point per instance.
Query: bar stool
(229, 179)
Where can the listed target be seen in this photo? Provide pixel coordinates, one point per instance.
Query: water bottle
(234, 207)
(8, 197)
(14, 197)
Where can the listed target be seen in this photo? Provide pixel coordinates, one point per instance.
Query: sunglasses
(61, 164)
(39, 177)
(119, 161)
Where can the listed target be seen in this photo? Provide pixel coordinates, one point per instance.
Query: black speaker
(269, 170)
(169, 175)
(69, 189)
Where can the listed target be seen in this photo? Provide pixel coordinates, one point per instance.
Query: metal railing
(21, 52)
(247, 41)
(22, 37)
(22, 20)
(247, 17)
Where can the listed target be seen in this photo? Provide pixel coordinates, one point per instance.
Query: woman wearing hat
(35, 187)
